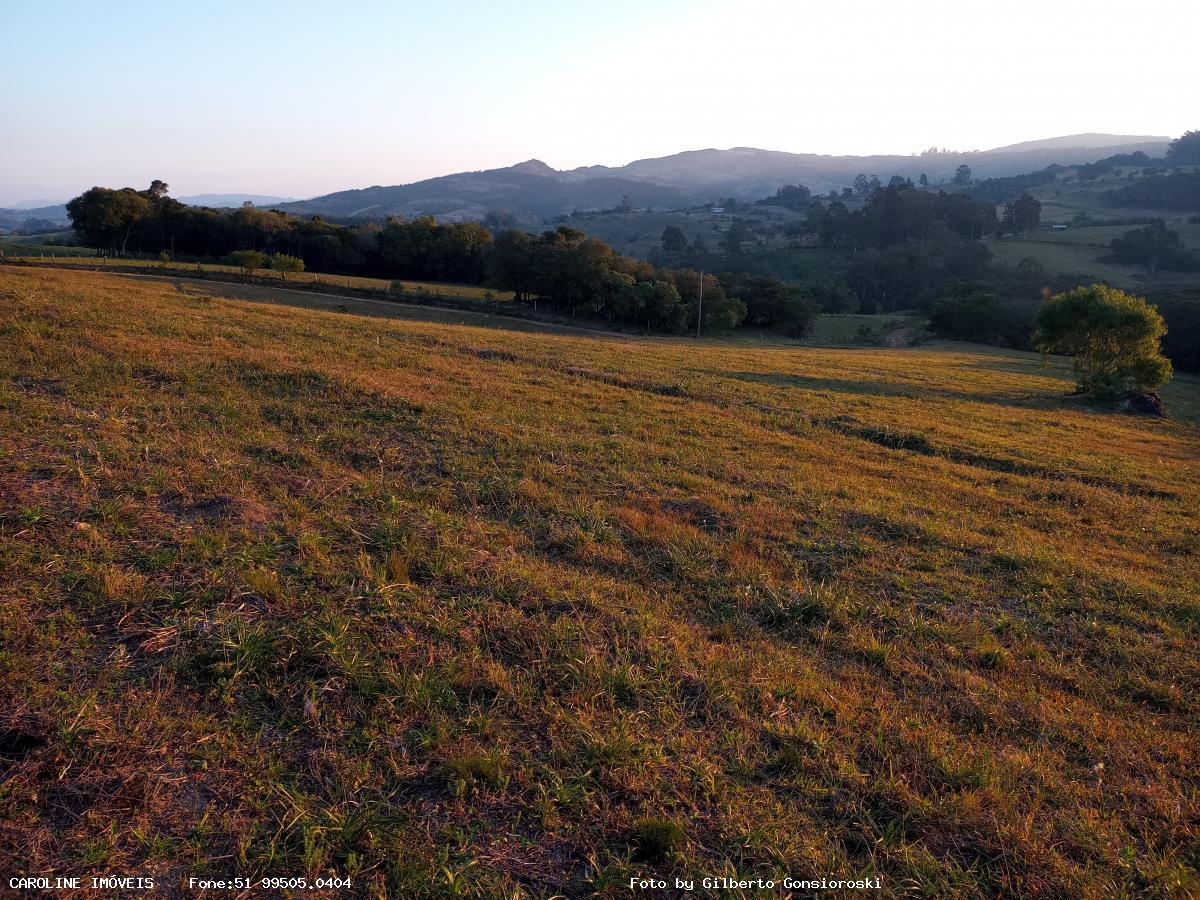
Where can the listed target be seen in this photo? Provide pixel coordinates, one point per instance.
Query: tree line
(562, 269)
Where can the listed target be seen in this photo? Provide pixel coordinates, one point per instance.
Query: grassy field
(465, 611)
(1077, 251)
(435, 288)
(1063, 199)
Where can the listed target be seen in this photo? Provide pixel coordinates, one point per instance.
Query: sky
(303, 98)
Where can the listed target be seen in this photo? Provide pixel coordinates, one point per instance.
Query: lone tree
(1114, 337)
(282, 263)
(248, 260)
(1022, 216)
(962, 175)
(673, 239)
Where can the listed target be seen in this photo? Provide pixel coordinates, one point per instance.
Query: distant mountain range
(534, 192)
(12, 219)
(220, 201)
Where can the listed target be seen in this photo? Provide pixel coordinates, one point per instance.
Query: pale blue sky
(304, 98)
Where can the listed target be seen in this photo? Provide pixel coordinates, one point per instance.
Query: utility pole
(700, 305)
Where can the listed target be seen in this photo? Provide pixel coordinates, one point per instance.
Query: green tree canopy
(104, 217)
(1185, 149)
(282, 263)
(248, 259)
(1154, 246)
(673, 239)
(1114, 337)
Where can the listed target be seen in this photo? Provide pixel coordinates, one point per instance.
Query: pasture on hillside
(453, 610)
(55, 256)
(1082, 251)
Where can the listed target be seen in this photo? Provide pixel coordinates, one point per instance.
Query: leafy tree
(792, 196)
(1027, 213)
(282, 263)
(923, 180)
(1113, 336)
(248, 260)
(104, 217)
(862, 185)
(962, 175)
(772, 303)
(673, 239)
(1184, 150)
(1021, 216)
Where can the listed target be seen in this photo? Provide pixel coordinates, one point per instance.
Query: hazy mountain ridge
(1090, 140)
(12, 219)
(219, 201)
(533, 191)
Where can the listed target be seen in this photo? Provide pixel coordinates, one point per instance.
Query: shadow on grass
(882, 389)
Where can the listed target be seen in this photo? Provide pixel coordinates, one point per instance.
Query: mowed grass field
(464, 611)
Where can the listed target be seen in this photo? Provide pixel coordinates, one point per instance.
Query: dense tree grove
(1184, 150)
(1154, 247)
(900, 213)
(1180, 309)
(791, 196)
(1021, 216)
(1179, 190)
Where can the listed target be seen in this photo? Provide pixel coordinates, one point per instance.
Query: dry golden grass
(411, 288)
(464, 610)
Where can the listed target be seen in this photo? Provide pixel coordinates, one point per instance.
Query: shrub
(865, 334)
(282, 263)
(656, 840)
(482, 769)
(248, 260)
(1113, 336)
